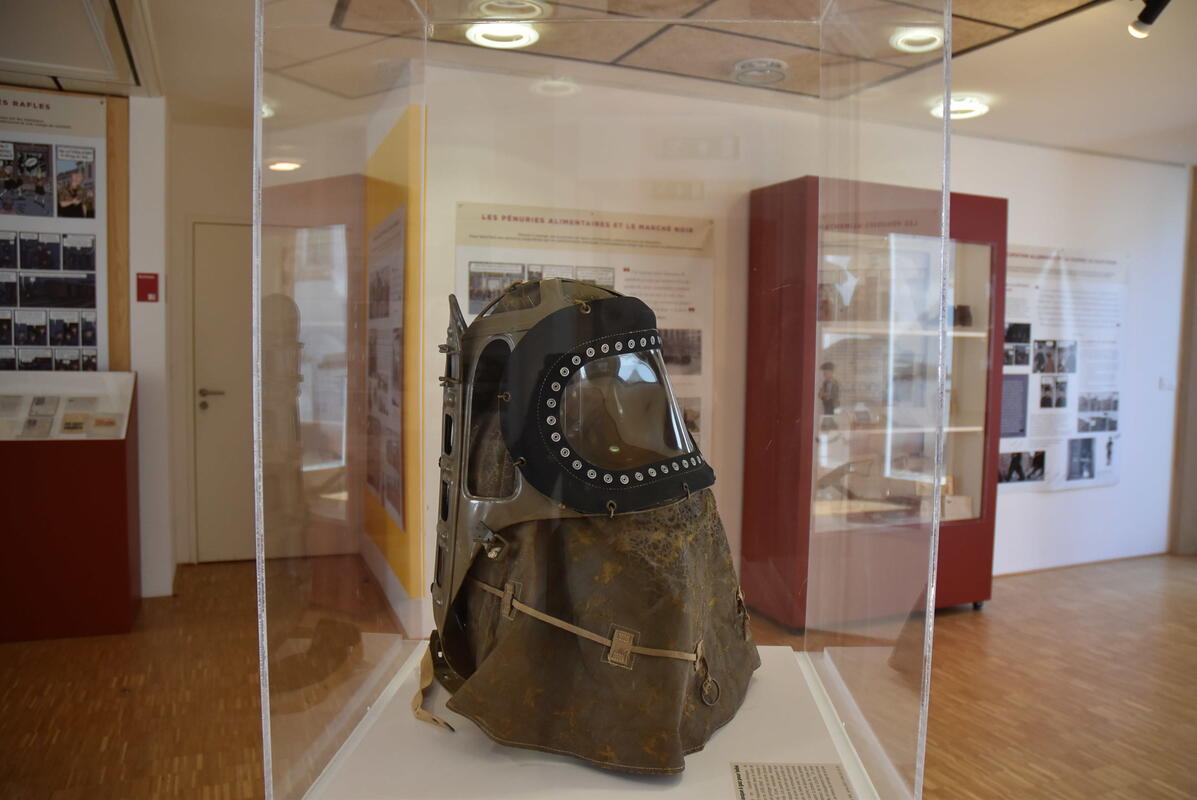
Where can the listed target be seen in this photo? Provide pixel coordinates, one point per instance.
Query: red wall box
(71, 537)
(782, 409)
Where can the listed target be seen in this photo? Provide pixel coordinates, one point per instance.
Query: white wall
(1135, 210)
(147, 337)
(602, 149)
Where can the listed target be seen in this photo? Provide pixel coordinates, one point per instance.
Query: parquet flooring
(1073, 683)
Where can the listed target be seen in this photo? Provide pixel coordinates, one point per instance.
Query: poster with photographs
(665, 261)
(386, 259)
(1062, 369)
(53, 229)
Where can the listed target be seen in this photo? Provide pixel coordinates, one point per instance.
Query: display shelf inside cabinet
(845, 327)
(68, 464)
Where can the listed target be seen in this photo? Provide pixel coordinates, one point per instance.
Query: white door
(222, 265)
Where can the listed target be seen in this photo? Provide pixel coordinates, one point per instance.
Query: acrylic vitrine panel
(411, 151)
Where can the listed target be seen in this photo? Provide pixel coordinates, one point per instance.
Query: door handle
(210, 392)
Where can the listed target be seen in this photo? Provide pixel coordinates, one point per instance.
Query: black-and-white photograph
(1097, 422)
(5, 326)
(25, 183)
(8, 359)
(681, 349)
(1053, 392)
(691, 408)
(1044, 355)
(1016, 355)
(597, 276)
(374, 454)
(1097, 401)
(35, 359)
(79, 251)
(8, 288)
(394, 450)
(59, 291)
(66, 359)
(379, 300)
(1097, 412)
(89, 361)
(379, 395)
(29, 327)
(1014, 405)
(75, 168)
(41, 250)
(64, 328)
(490, 279)
(538, 272)
(1022, 467)
(397, 368)
(1066, 356)
(1080, 459)
(372, 353)
(1018, 333)
(393, 494)
(44, 405)
(8, 250)
(87, 321)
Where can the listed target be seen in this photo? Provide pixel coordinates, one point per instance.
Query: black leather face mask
(591, 419)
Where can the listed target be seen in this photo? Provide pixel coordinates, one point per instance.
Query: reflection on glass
(878, 361)
(619, 412)
(311, 272)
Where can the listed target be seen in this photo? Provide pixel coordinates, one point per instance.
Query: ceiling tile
(301, 30)
(377, 67)
(1011, 13)
(382, 17)
(763, 10)
(791, 21)
(844, 76)
(447, 11)
(704, 53)
(588, 41)
(653, 9)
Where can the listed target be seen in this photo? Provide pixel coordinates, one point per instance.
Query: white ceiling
(1081, 83)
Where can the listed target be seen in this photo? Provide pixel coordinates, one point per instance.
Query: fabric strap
(582, 632)
(417, 702)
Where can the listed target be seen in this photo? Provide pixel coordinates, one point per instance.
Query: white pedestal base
(785, 718)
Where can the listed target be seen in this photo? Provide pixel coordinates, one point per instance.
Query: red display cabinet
(71, 537)
(842, 407)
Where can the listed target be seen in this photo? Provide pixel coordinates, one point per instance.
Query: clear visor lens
(619, 412)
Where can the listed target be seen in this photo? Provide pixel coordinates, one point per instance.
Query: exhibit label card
(791, 782)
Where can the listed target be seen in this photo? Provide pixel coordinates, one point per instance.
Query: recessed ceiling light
(917, 40)
(963, 106)
(760, 71)
(284, 164)
(510, 9)
(502, 35)
(556, 87)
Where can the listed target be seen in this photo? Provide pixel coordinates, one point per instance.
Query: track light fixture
(1141, 27)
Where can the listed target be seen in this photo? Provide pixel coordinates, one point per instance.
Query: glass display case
(523, 512)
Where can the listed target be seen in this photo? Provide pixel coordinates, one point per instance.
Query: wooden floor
(1074, 683)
